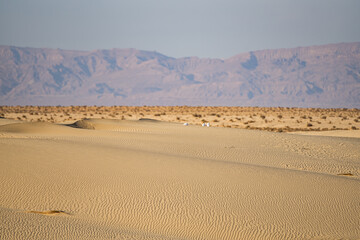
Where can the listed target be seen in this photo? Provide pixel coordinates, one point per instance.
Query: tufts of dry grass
(258, 118)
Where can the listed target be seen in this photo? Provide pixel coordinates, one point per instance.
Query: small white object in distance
(185, 124)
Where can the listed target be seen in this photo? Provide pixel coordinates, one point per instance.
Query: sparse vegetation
(256, 118)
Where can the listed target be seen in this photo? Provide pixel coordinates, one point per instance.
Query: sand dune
(338, 133)
(142, 125)
(112, 179)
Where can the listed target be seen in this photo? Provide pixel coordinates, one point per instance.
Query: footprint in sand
(345, 174)
(50, 213)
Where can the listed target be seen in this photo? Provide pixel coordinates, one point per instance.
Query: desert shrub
(309, 125)
(197, 115)
(248, 122)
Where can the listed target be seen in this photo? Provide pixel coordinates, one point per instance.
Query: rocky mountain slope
(318, 76)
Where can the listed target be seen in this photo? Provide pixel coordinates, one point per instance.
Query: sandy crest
(107, 179)
(337, 133)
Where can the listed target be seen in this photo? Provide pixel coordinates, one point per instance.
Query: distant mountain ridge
(317, 76)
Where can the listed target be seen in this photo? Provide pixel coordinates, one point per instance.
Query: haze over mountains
(317, 76)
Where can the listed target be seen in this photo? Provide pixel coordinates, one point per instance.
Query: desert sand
(148, 179)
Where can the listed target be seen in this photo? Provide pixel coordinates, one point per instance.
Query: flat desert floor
(147, 179)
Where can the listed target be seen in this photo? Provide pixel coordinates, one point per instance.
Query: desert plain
(88, 172)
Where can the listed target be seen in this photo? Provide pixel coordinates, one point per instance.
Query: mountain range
(326, 76)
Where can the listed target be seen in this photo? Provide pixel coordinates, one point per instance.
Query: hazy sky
(177, 28)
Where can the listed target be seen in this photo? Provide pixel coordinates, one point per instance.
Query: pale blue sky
(177, 28)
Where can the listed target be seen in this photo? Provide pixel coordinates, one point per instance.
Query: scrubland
(270, 119)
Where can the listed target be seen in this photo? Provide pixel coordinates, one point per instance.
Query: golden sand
(129, 179)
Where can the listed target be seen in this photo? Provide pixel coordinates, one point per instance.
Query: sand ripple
(152, 180)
